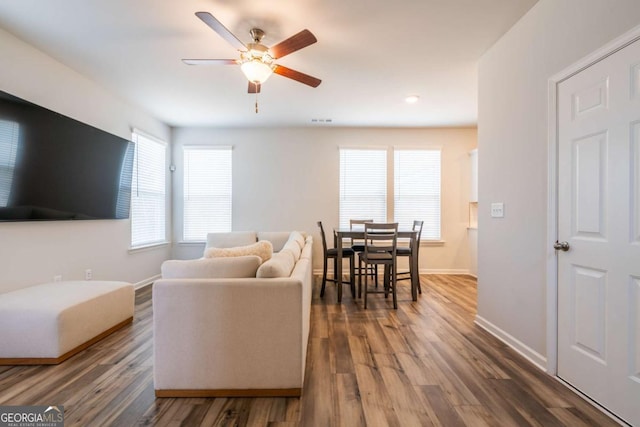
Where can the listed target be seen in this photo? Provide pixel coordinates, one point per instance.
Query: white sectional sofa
(234, 326)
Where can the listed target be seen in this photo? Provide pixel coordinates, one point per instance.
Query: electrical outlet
(57, 278)
(497, 210)
(88, 274)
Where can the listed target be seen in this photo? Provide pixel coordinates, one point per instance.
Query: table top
(347, 232)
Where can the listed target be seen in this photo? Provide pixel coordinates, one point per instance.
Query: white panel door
(599, 216)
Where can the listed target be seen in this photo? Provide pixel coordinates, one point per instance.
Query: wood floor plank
(339, 345)
(318, 395)
(424, 364)
(476, 415)
(406, 403)
(438, 408)
(350, 412)
(376, 401)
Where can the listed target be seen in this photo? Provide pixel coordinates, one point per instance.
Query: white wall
(32, 253)
(287, 178)
(512, 137)
(473, 251)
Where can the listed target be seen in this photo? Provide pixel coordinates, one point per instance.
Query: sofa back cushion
(263, 249)
(280, 265)
(231, 239)
(293, 248)
(297, 237)
(211, 268)
(277, 238)
(306, 251)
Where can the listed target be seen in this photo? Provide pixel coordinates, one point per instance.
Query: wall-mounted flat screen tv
(53, 167)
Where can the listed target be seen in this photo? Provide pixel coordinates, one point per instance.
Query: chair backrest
(356, 222)
(381, 237)
(417, 225)
(324, 240)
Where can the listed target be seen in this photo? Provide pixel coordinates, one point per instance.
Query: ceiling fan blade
(210, 61)
(217, 26)
(297, 76)
(254, 87)
(303, 39)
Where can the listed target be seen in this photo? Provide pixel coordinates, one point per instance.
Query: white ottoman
(46, 324)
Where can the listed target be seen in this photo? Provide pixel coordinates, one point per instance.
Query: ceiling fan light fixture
(257, 64)
(256, 71)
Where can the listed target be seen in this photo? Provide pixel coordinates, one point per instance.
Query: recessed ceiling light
(411, 99)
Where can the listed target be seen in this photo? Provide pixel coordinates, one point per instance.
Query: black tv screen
(53, 167)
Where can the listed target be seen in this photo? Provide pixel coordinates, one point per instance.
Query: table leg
(339, 268)
(414, 268)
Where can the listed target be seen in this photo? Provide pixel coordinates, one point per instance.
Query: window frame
(391, 184)
(184, 239)
(344, 222)
(136, 134)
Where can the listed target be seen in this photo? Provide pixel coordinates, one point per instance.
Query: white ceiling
(370, 55)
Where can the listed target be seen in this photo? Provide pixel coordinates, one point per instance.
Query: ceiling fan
(257, 61)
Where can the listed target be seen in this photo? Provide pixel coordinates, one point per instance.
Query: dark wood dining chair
(407, 251)
(358, 246)
(380, 244)
(332, 253)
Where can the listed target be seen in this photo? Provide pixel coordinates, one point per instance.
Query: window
(417, 190)
(207, 191)
(148, 192)
(415, 181)
(363, 185)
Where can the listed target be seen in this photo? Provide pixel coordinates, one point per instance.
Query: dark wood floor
(421, 365)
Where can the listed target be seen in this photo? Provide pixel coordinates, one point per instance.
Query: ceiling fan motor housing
(257, 51)
(257, 34)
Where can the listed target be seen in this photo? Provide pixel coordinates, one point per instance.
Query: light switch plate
(497, 210)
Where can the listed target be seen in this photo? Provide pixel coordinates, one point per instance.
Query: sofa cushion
(306, 251)
(280, 265)
(297, 237)
(292, 246)
(231, 239)
(277, 238)
(211, 268)
(263, 249)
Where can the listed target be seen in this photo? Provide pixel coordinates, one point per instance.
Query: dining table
(358, 234)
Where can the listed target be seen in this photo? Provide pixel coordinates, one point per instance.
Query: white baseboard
(146, 282)
(444, 271)
(525, 351)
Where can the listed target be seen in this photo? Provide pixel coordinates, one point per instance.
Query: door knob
(561, 246)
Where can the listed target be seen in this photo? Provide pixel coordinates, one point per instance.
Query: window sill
(191, 243)
(150, 247)
(432, 242)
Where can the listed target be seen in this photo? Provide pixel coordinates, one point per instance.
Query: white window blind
(9, 135)
(417, 190)
(363, 185)
(207, 191)
(148, 192)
